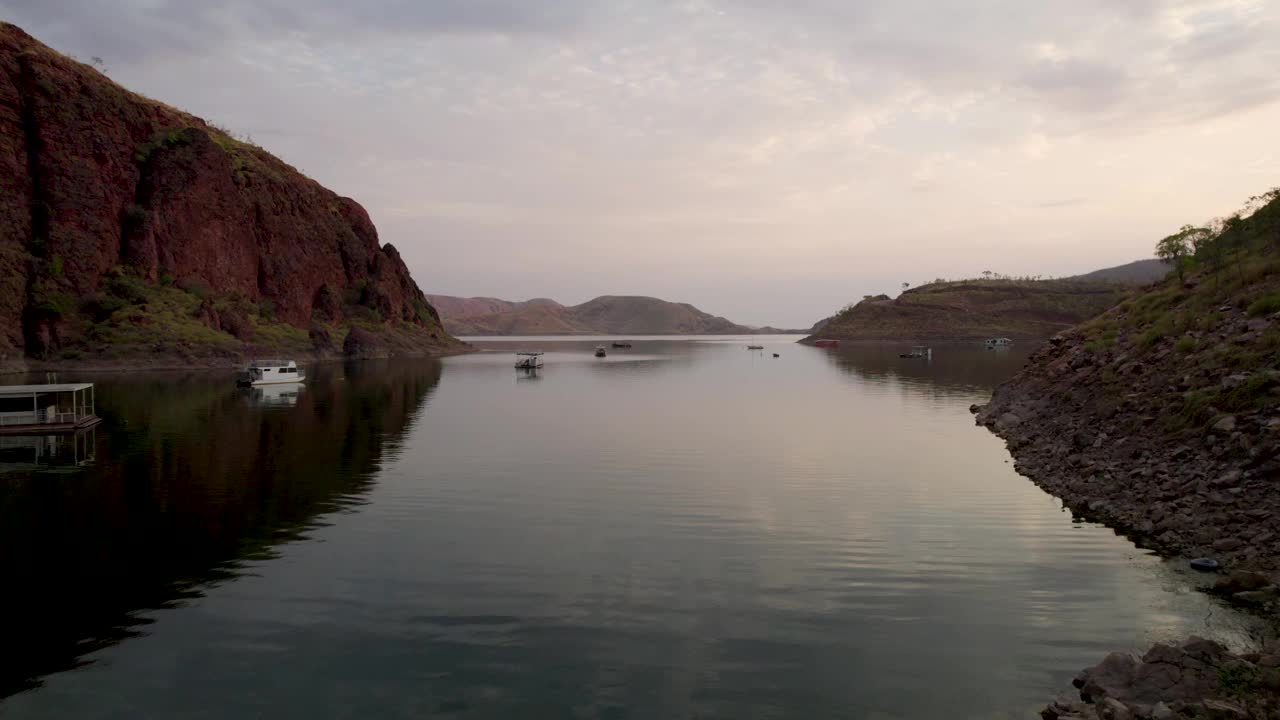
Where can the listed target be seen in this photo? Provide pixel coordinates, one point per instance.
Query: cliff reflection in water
(191, 478)
(953, 371)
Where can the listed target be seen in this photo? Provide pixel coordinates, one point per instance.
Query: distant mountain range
(605, 315)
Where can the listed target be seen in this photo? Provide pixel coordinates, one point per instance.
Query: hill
(971, 310)
(605, 315)
(1138, 272)
(134, 232)
(1162, 416)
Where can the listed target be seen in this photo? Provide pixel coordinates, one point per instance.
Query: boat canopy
(270, 363)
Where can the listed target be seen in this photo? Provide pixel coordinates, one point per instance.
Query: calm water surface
(685, 529)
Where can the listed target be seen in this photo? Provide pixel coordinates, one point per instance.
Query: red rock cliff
(97, 181)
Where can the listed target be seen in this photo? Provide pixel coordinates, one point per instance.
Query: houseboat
(993, 343)
(919, 351)
(826, 343)
(622, 344)
(271, 372)
(528, 360)
(44, 409)
(755, 347)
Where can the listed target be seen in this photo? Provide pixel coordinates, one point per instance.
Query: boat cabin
(62, 407)
(528, 360)
(269, 372)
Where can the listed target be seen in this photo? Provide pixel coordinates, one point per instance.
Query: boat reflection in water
(65, 451)
(274, 395)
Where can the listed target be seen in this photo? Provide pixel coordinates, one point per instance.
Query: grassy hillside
(1162, 415)
(1138, 272)
(970, 310)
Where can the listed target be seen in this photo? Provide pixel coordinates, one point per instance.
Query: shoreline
(1096, 430)
(176, 364)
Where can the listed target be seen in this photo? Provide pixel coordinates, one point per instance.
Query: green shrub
(1264, 305)
(54, 305)
(1249, 394)
(71, 354)
(1185, 344)
(128, 288)
(1196, 411)
(194, 287)
(100, 307)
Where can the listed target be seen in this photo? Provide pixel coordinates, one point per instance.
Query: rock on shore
(1197, 679)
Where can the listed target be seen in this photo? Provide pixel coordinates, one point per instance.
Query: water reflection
(284, 395)
(62, 451)
(953, 370)
(190, 481)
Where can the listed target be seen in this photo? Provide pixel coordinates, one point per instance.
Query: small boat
(623, 344)
(528, 360)
(776, 355)
(826, 343)
(600, 352)
(755, 347)
(271, 372)
(993, 343)
(918, 351)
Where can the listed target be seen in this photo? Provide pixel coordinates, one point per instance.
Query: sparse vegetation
(1264, 305)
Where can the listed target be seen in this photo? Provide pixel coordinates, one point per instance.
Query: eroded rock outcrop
(100, 183)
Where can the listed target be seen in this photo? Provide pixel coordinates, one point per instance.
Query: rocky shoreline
(1173, 439)
(1093, 428)
(1196, 679)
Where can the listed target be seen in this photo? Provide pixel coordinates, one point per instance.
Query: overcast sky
(766, 160)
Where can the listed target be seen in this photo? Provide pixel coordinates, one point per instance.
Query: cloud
(701, 146)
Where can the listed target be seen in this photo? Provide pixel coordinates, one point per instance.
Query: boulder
(1225, 424)
(362, 343)
(1241, 581)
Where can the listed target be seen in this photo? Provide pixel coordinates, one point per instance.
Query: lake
(683, 529)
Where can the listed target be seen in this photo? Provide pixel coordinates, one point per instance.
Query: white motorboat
(271, 372)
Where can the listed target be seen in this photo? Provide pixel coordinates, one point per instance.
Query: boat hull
(260, 383)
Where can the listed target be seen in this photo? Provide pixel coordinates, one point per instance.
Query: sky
(765, 160)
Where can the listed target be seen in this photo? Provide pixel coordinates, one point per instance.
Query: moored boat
(826, 343)
(271, 372)
(528, 360)
(622, 344)
(600, 351)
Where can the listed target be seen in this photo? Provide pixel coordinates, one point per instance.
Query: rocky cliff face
(100, 184)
